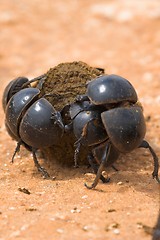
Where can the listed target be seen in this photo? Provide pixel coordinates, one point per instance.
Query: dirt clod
(65, 82)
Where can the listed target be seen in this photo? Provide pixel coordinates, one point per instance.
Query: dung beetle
(33, 122)
(13, 87)
(109, 119)
(18, 84)
(111, 89)
(88, 128)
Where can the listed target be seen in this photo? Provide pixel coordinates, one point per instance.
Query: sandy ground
(124, 38)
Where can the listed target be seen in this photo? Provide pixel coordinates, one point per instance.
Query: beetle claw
(17, 149)
(40, 169)
(44, 172)
(156, 177)
(105, 180)
(95, 182)
(56, 117)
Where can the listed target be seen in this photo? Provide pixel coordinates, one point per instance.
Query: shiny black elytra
(18, 84)
(13, 87)
(30, 120)
(110, 121)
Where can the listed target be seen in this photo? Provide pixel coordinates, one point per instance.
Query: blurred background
(122, 36)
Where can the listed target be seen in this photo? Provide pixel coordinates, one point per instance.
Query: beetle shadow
(134, 170)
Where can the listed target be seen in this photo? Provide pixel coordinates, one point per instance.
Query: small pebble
(84, 197)
(139, 225)
(111, 210)
(116, 231)
(24, 190)
(119, 183)
(60, 230)
(86, 228)
(24, 227)
(12, 208)
(89, 176)
(75, 210)
(52, 218)
(15, 234)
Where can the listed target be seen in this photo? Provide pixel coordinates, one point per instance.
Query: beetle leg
(40, 78)
(68, 127)
(94, 166)
(101, 168)
(145, 144)
(76, 153)
(77, 144)
(17, 149)
(56, 117)
(40, 169)
(114, 168)
(81, 98)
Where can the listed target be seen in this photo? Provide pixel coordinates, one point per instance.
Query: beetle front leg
(78, 143)
(57, 119)
(40, 169)
(145, 144)
(76, 153)
(17, 149)
(95, 166)
(101, 168)
(40, 80)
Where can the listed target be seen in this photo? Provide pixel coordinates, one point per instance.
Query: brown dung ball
(65, 82)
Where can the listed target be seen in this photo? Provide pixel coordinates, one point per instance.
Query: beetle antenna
(17, 149)
(40, 169)
(145, 144)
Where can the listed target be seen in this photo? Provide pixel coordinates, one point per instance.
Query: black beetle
(88, 128)
(13, 87)
(32, 121)
(110, 120)
(18, 84)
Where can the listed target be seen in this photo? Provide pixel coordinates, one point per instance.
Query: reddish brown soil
(121, 36)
